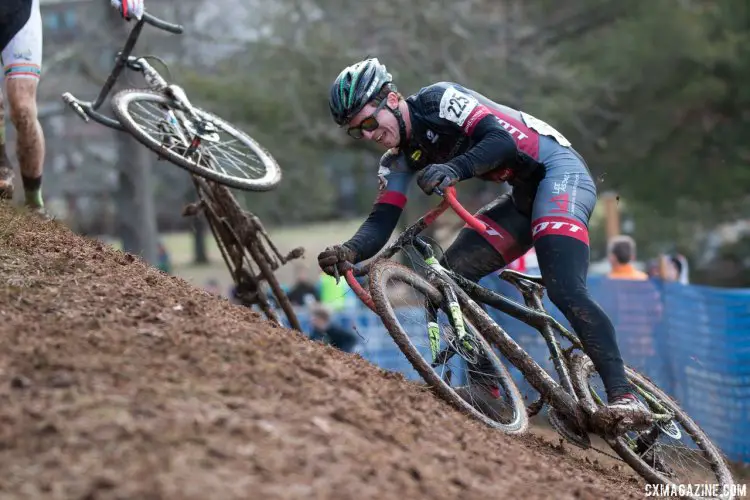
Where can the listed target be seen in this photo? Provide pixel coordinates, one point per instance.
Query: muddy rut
(119, 382)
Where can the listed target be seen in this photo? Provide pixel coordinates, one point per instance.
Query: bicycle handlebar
(450, 196)
(363, 295)
(449, 199)
(161, 24)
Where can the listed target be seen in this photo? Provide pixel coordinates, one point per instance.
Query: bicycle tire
(384, 270)
(260, 260)
(271, 174)
(278, 292)
(582, 367)
(222, 201)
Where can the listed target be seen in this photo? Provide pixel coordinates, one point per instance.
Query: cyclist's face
(386, 133)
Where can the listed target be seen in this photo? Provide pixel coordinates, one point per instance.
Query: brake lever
(75, 104)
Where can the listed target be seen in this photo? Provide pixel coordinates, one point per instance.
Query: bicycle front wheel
(417, 318)
(217, 150)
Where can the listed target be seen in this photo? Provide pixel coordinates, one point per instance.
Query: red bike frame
(449, 200)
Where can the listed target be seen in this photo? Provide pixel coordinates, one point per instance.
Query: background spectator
(325, 331)
(621, 254)
(303, 291)
(213, 286)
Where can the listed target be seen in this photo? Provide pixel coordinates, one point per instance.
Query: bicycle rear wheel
(239, 162)
(661, 454)
(490, 394)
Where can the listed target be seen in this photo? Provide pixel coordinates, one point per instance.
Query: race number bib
(456, 106)
(543, 128)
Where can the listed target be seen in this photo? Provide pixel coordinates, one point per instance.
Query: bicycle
(182, 130)
(181, 133)
(573, 401)
(244, 246)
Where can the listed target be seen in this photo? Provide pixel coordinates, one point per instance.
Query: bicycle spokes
(669, 446)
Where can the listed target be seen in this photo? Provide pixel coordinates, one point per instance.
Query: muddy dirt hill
(119, 382)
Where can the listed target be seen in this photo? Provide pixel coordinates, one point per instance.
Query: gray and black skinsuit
(549, 206)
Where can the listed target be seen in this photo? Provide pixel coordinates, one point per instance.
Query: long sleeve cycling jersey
(459, 127)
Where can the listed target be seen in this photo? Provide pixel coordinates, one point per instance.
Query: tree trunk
(136, 216)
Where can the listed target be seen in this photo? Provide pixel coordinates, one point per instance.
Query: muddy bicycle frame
(562, 395)
(260, 255)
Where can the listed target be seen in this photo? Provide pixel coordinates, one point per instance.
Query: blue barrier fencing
(692, 341)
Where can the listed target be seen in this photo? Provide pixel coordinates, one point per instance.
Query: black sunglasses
(367, 125)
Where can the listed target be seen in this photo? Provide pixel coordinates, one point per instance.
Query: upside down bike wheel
(491, 395)
(162, 125)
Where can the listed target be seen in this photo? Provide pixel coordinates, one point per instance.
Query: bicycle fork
(199, 129)
(455, 315)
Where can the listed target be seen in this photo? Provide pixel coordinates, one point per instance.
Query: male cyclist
(446, 133)
(21, 49)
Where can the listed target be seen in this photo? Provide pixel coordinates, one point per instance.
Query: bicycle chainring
(567, 430)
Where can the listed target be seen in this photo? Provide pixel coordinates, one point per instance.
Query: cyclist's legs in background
(474, 256)
(6, 170)
(22, 60)
(563, 205)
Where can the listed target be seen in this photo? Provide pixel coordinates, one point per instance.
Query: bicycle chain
(608, 455)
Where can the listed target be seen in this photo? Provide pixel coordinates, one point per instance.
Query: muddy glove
(437, 175)
(129, 9)
(337, 256)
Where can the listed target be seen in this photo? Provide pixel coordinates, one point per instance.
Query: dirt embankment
(119, 382)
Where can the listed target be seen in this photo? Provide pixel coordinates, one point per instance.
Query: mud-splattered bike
(163, 119)
(658, 453)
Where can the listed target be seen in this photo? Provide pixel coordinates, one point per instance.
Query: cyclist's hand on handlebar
(437, 175)
(338, 257)
(129, 9)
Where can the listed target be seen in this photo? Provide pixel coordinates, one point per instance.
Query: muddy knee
(21, 101)
(471, 256)
(23, 113)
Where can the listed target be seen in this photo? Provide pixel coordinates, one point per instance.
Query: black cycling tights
(564, 263)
